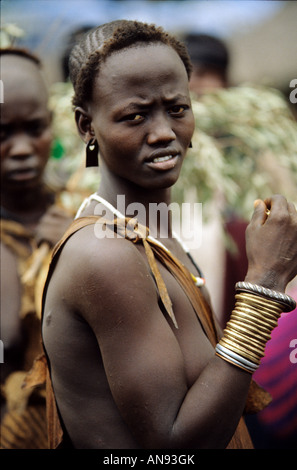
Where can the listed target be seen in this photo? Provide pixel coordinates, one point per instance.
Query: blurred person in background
(210, 59)
(276, 426)
(31, 223)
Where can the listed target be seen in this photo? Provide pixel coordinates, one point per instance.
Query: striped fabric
(25, 429)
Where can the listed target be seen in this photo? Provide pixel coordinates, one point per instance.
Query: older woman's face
(141, 114)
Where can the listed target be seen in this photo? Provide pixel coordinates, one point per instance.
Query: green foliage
(9, 34)
(244, 148)
(66, 168)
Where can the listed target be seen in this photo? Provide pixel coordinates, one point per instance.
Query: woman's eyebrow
(138, 104)
(133, 107)
(177, 97)
(144, 103)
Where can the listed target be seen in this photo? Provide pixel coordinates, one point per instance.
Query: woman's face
(25, 125)
(141, 115)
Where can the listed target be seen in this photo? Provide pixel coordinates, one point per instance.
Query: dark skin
(25, 144)
(129, 378)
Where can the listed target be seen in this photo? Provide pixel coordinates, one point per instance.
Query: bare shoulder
(96, 273)
(101, 256)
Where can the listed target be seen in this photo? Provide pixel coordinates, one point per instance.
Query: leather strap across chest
(129, 228)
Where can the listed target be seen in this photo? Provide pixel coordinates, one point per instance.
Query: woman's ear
(83, 122)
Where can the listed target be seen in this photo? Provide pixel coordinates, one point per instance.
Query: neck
(25, 206)
(149, 206)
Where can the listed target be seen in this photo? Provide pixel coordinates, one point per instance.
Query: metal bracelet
(239, 359)
(288, 302)
(234, 362)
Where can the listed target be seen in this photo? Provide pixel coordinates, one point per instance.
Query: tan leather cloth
(129, 229)
(23, 424)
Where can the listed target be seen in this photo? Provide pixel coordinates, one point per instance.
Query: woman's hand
(271, 243)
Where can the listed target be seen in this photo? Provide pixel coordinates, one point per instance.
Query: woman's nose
(160, 130)
(21, 147)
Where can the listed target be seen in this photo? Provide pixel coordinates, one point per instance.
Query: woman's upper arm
(141, 355)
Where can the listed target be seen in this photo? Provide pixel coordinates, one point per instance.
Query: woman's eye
(36, 128)
(133, 117)
(137, 117)
(177, 110)
(4, 132)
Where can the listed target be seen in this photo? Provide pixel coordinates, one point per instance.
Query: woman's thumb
(259, 211)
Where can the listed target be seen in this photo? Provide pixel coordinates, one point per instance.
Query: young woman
(129, 335)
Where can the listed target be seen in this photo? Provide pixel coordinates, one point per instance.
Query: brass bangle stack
(254, 317)
(288, 303)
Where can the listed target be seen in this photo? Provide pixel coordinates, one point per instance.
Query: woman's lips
(23, 174)
(166, 162)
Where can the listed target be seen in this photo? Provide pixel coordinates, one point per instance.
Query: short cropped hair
(86, 57)
(208, 52)
(21, 52)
